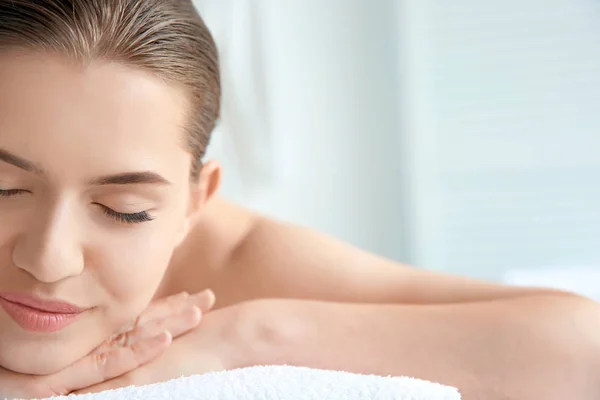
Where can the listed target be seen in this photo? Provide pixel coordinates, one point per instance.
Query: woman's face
(94, 197)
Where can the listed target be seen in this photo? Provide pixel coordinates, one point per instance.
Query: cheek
(131, 265)
(11, 226)
(9, 221)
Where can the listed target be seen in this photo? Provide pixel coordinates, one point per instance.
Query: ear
(201, 192)
(205, 187)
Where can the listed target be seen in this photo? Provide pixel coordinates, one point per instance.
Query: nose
(50, 248)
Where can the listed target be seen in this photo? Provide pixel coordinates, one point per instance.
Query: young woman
(106, 207)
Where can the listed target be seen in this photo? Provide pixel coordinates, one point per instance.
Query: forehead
(54, 110)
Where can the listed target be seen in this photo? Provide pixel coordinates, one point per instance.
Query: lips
(37, 315)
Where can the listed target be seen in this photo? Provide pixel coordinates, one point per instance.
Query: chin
(32, 360)
(47, 353)
(39, 357)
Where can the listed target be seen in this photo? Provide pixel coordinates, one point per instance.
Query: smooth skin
(141, 342)
(70, 139)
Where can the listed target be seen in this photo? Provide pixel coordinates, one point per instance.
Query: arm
(377, 316)
(527, 348)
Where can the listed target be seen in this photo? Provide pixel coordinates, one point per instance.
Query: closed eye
(125, 218)
(12, 192)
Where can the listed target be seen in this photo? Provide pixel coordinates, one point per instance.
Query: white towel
(280, 383)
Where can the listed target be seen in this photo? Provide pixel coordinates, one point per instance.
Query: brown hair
(165, 37)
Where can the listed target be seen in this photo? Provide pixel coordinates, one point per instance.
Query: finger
(177, 314)
(176, 325)
(205, 300)
(164, 308)
(172, 305)
(97, 368)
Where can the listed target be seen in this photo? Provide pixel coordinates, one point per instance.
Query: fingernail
(193, 315)
(204, 298)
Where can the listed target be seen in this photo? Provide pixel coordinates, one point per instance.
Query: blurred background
(459, 136)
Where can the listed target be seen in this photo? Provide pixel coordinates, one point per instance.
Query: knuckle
(100, 360)
(111, 341)
(127, 327)
(120, 340)
(125, 339)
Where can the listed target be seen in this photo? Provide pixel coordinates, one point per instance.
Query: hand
(217, 344)
(148, 337)
(176, 314)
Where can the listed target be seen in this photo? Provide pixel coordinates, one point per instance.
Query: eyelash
(11, 192)
(124, 218)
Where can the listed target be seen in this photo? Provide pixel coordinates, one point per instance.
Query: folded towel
(282, 382)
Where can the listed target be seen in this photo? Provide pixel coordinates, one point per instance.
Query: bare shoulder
(243, 256)
(202, 260)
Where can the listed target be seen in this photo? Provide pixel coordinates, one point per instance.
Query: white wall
(331, 115)
(456, 135)
(502, 115)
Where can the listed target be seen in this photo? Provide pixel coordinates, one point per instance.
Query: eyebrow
(129, 178)
(126, 178)
(19, 162)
